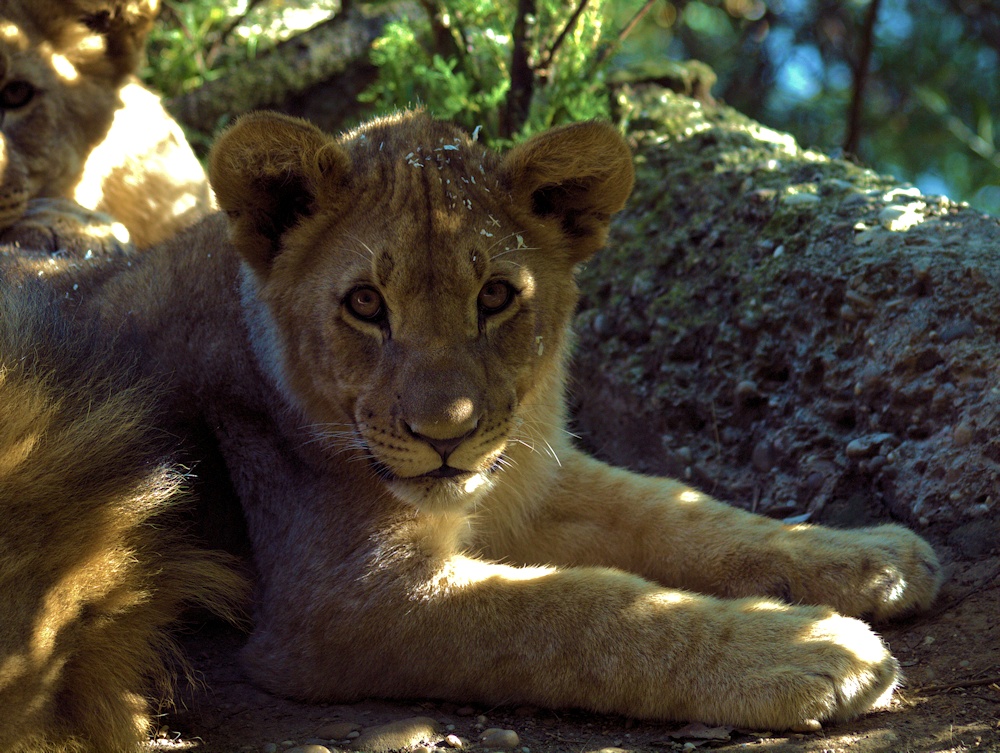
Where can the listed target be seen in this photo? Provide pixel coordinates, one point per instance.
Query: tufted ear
(270, 171)
(578, 175)
(99, 37)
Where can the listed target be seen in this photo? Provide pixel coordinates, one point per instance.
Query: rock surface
(789, 332)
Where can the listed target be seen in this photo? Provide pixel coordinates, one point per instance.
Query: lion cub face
(409, 290)
(62, 64)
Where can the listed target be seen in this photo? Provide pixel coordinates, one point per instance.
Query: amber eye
(16, 94)
(495, 297)
(366, 304)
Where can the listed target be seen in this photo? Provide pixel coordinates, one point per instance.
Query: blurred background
(909, 87)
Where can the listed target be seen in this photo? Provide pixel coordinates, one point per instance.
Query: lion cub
(376, 329)
(84, 145)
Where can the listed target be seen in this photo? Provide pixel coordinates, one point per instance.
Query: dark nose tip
(443, 446)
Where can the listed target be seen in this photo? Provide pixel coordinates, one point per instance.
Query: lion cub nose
(444, 446)
(448, 428)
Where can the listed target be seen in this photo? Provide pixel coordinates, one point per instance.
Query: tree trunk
(307, 60)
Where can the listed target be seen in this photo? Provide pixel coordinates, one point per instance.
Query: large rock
(793, 333)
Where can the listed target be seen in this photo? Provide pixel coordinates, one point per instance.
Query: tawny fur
(84, 145)
(92, 567)
(377, 331)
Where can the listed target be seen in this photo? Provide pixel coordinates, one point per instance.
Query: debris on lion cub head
(442, 270)
(270, 171)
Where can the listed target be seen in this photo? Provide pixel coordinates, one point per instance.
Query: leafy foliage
(927, 111)
(928, 108)
(196, 41)
(457, 63)
(469, 91)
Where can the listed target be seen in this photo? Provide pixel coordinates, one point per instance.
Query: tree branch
(226, 30)
(608, 51)
(316, 55)
(546, 60)
(445, 44)
(522, 77)
(861, 70)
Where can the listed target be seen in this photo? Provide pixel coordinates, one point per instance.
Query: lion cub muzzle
(442, 407)
(443, 445)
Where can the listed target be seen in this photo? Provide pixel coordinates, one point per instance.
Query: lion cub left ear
(270, 172)
(579, 175)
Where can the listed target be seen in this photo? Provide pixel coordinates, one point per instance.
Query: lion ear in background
(578, 175)
(123, 25)
(269, 171)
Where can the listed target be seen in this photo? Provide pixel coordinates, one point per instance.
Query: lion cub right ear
(269, 172)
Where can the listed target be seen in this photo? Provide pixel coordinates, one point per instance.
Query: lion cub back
(92, 567)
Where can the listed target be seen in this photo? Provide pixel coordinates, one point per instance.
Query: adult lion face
(62, 66)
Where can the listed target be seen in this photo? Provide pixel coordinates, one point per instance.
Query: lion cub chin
(376, 332)
(92, 161)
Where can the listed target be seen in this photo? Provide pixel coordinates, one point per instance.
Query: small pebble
(309, 749)
(898, 217)
(746, 392)
(454, 741)
(963, 434)
(406, 733)
(337, 730)
(866, 446)
(269, 748)
(856, 200)
(809, 725)
(762, 457)
(956, 331)
(500, 739)
(800, 199)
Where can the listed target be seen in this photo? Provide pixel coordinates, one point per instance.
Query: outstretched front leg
(593, 638)
(590, 513)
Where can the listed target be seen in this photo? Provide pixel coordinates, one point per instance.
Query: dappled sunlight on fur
(373, 338)
(91, 570)
(87, 132)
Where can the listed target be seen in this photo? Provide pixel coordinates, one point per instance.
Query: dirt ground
(950, 702)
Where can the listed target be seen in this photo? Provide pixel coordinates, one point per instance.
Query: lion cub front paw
(804, 665)
(63, 226)
(881, 572)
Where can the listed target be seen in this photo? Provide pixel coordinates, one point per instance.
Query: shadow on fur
(92, 566)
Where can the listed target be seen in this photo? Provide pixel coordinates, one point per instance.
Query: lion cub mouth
(446, 471)
(441, 489)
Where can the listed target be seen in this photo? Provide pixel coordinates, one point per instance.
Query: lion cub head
(62, 66)
(410, 291)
